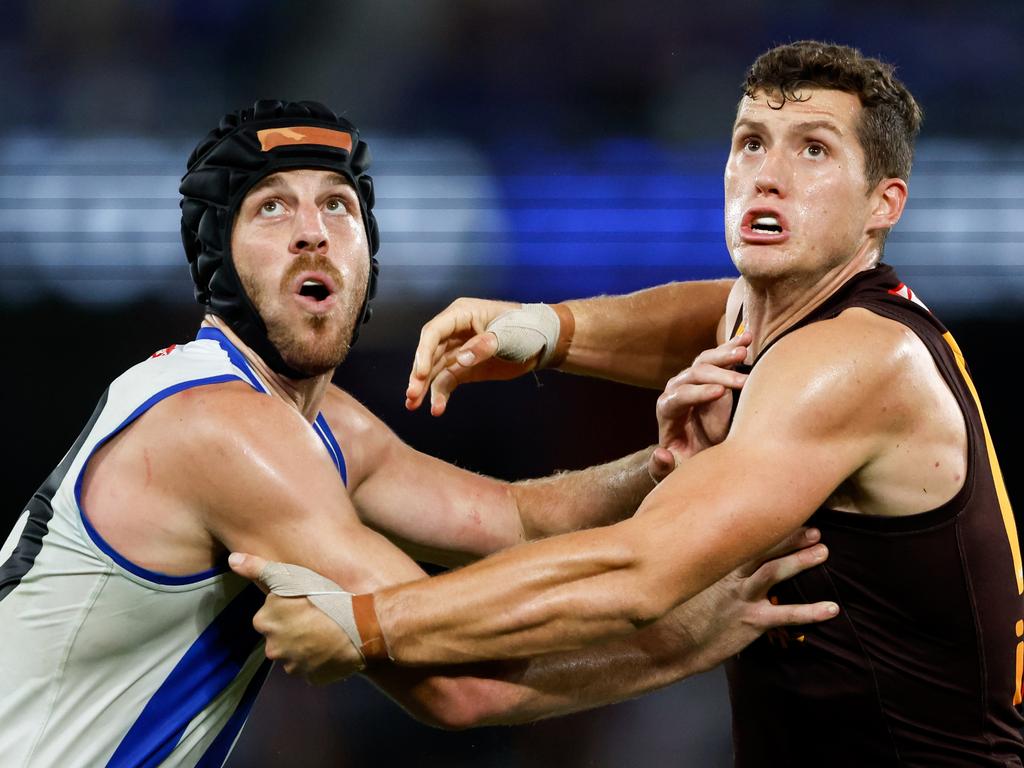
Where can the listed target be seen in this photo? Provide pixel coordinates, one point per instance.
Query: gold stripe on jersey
(1004, 506)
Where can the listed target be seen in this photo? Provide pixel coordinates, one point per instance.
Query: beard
(311, 344)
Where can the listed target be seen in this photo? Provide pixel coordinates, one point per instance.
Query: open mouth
(314, 289)
(768, 225)
(764, 226)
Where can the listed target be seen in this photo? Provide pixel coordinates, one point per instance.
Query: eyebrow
(810, 125)
(335, 179)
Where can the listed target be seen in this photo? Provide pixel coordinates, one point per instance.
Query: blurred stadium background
(528, 150)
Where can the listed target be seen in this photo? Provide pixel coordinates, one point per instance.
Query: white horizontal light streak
(98, 221)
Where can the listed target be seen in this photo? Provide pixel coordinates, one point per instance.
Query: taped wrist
(534, 329)
(346, 610)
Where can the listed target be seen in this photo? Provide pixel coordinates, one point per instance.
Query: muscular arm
(841, 383)
(440, 513)
(690, 639)
(262, 482)
(645, 338)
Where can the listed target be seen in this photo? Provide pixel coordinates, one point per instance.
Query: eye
(271, 209)
(815, 150)
(335, 205)
(752, 144)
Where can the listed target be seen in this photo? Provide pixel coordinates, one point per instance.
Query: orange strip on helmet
(303, 134)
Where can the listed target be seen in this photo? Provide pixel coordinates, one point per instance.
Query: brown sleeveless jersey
(923, 665)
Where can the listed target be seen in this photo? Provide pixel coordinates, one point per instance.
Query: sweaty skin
(642, 338)
(866, 420)
(222, 467)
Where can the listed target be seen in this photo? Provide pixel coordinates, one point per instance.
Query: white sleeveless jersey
(103, 662)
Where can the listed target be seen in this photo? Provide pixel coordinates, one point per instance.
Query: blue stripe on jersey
(154, 576)
(324, 430)
(214, 660)
(236, 357)
(221, 746)
(320, 424)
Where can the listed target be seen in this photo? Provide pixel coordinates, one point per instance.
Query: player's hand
(734, 611)
(298, 633)
(455, 348)
(695, 408)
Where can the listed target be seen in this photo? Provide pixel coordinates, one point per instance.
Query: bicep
(432, 509)
(442, 513)
(645, 338)
(277, 494)
(785, 455)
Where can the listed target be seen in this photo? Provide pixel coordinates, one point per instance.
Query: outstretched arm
(440, 513)
(843, 407)
(641, 338)
(692, 638)
(443, 514)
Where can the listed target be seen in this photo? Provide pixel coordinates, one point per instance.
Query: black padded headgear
(247, 146)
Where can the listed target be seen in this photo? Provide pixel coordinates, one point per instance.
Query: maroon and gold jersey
(923, 665)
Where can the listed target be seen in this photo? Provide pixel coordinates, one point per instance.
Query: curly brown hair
(890, 118)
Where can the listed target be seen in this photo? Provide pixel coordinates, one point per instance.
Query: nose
(309, 233)
(772, 175)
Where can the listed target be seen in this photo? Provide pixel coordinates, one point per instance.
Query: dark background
(529, 150)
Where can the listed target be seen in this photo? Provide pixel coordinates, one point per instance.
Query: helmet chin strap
(232, 304)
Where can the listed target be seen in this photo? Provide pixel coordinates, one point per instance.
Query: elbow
(652, 590)
(648, 604)
(455, 705)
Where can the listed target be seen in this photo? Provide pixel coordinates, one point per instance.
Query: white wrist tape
(525, 332)
(289, 580)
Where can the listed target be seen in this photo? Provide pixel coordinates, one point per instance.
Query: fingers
(730, 353)
(727, 355)
(709, 377)
(800, 613)
(250, 567)
(676, 401)
(782, 568)
(431, 347)
(443, 326)
(457, 368)
(661, 464)
(481, 347)
(798, 539)
(462, 319)
(707, 373)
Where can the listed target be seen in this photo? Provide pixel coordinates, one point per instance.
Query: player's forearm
(554, 595)
(513, 692)
(562, 683)
(570, 501)
(645, 338)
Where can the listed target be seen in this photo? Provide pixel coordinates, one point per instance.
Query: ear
(887, 201)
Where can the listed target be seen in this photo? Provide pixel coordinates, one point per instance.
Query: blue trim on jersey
(319, 424)
(138, 570)
(324, 430)
(237, 358)
(219, 750)
(213, 661)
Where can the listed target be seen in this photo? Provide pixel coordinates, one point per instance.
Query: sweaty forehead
(814, 104)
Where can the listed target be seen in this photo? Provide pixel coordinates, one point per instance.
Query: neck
(773, 305)
(304, 395)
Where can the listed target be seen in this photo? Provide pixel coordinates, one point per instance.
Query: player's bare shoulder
(850, 372)
(369, 442)
(873, 379)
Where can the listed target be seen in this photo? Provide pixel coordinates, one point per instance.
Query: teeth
(766, 221)
(311, 282)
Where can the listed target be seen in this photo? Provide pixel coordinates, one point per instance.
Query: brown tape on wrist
(374, 647)
(566, 329)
